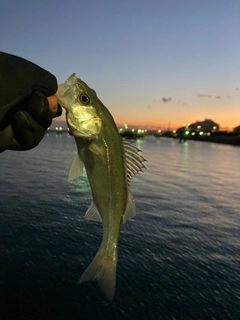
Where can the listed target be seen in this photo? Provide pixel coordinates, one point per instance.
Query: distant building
(205, 126)
(237, 129)
(180, 130)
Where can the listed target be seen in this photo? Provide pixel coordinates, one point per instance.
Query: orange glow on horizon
(155, 125)
(174, 114)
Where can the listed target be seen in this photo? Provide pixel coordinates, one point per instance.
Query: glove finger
(45, 82)
(27, 132)
(6, 137)
(41, 79)
(59, 111)
(39, 109)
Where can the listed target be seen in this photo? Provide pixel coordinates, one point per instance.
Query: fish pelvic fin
(76, 168)
(134, 161)
(102, 270)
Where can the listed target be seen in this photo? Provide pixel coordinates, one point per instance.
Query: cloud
(149, 107)
(204, 95)
(181, 103)
(237, 89)
(166, 99)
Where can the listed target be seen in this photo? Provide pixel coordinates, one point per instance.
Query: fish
(110, 163)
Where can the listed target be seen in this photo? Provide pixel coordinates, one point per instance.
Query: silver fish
(110, 163)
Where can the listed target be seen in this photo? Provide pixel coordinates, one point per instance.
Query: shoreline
(231, 138)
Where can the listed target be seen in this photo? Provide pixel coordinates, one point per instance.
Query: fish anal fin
(130, 211)
(76, 168)
(93, 213)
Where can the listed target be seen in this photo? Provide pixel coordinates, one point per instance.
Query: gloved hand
(25, 112)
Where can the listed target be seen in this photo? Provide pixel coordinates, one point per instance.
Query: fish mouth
(63, 89)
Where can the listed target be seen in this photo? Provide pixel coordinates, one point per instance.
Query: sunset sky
(153, 63)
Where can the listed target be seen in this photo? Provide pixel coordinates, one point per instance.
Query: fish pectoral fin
(76, 168)
(93, 213)
(96, 150)
(130, 211)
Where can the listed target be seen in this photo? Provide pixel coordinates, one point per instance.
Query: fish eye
(84, 98)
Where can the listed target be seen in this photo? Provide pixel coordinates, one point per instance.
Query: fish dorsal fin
(130, 211)
(134, 161)
(76, 168)
(93, 213)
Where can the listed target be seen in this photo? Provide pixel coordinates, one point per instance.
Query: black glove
(24, 109)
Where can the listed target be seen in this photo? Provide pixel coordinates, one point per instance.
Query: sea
(179, 258)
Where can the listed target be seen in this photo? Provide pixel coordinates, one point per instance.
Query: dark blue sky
(136, 53)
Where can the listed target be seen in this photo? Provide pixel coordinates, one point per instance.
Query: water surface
(178, 259)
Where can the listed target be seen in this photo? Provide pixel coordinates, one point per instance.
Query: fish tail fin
(103, 270)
